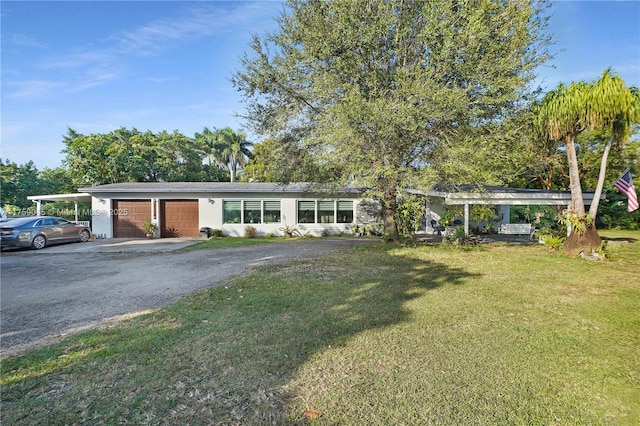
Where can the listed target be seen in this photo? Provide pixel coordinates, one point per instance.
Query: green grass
(377, 335)
(226, 242)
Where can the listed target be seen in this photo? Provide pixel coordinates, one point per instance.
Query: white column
(466, 219)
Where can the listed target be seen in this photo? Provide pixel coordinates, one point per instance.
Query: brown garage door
(131, 215)
(179, 218)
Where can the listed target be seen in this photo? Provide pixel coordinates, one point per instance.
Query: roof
(217, 187)
(473, 194)
(81, 196)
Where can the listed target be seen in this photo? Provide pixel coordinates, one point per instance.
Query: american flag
(624, 184)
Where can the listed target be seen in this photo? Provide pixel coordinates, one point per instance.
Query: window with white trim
(325, 211)
(232, 211)
(251, 211)
(272, 212)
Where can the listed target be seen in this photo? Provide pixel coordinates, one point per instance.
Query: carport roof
(242, 187)
(472, 194)
(80, 197)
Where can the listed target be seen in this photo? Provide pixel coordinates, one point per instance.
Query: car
(41, 231)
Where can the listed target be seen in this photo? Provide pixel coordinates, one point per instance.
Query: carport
(441, 196)
(81, 197)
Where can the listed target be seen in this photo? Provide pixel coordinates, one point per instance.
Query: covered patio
(441, 197)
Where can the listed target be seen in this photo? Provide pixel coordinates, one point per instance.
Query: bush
(554, 242)
(217, 233)
(250, 232)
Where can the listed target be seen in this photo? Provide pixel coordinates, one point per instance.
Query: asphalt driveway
(51, 293)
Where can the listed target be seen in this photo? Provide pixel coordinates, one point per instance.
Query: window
(326, 211)
(231, 211)
(272, 212)
(345, 212)
(306, 212)
(252, 211)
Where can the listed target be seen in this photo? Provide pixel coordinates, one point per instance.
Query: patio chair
(436, 228)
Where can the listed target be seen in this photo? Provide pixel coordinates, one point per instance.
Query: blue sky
(158, 65)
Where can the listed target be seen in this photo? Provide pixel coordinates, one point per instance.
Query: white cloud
(20, 40)
(35, 89)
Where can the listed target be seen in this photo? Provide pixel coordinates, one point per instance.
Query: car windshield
(17, 222)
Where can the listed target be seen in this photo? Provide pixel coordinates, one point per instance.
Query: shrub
(250, 232)
(290, 231)
(456, 237)
(217, 233)
(554, 242)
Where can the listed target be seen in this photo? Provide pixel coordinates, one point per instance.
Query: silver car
(38, 232)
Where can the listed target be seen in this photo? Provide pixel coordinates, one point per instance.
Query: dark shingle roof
(242, 187)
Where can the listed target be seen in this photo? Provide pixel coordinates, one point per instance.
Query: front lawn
(376, 335)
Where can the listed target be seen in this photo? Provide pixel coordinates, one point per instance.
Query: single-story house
(181, 209)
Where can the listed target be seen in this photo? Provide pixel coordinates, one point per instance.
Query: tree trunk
(388, 220)
(593, 209)
(577, 201)
(586, 242)
(233, 170)
(584, 238)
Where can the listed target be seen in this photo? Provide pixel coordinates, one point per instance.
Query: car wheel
(84, 236)
(39, 242)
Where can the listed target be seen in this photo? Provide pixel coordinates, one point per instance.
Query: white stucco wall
(101, 217)
(210, 212)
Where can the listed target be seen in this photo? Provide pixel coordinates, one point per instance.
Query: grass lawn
(225, 242)
(377, 335)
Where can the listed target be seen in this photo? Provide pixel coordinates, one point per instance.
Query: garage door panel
(131, 216)
(179, 218)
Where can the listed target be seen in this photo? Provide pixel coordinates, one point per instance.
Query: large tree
(567, 111)
(390, 89)
(125, 155)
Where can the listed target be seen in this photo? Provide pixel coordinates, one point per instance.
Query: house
(181, 209)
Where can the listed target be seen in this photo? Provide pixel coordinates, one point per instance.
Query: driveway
(47, 294)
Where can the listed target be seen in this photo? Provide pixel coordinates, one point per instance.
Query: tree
(392, 91)
(231, 149)
(276, 161)
(18, 182)
(567, 111)
(125, 155)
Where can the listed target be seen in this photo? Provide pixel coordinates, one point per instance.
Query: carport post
(76, 204)
(38, 207)
(466, 219)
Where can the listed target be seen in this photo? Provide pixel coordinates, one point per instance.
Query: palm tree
(618, 108)
(206, 141)
(563, 114)
(231, 149)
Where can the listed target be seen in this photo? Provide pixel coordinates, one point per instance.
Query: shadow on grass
(224, 356)
(625, 239)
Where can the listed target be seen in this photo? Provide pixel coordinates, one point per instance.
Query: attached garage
(129, 216)
(179, 218)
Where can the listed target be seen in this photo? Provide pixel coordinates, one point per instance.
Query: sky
(95, 66)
